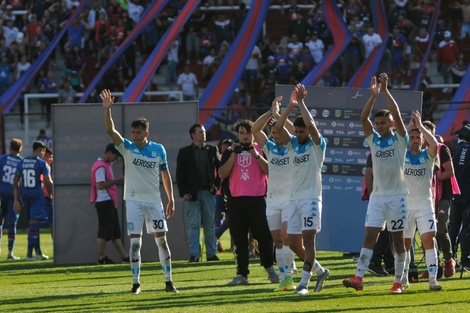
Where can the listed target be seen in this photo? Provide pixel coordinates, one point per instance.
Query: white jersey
(418, 174)
(316, 49)
(142, 170)
(370, 42)
(388, 157)
(280, 168)
(307, 163)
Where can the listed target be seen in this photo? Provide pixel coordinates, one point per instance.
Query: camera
(239, 148)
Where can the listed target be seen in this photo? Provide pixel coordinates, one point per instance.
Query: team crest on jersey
(244, 159)
(422, 160)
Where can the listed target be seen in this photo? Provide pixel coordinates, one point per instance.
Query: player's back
(8, 165)
(30, 169)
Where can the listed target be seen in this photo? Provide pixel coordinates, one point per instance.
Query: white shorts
(421, 215)
(391, 209)
(304, 215)
(276, 213)
(152, 213)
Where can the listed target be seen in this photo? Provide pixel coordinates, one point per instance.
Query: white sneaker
(301, 290)
(239, 280)
(434, 286)
(42, 257)
(12, 257)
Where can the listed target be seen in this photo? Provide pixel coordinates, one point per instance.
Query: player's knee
(135, 244)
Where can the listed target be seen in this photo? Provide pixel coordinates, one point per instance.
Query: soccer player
(279, 167)
(305, 205)
(419, 166)
(388, 197)
(29, 170)
(8, 164)
(48, 157)
(144, 161)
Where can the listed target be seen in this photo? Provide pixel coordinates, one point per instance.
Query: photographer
(244, 172)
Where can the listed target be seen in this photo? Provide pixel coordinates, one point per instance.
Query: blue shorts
(397, 59)
(7, 210)
(36, 209)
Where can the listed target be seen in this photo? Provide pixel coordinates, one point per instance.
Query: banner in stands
(336, 113)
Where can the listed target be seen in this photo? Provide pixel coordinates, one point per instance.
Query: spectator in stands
(49, 24)
(102, 31)
(290, 10)
(465, 28)
(151, 35)
(268, 87)
(329, 80)
(193, 40)
(44, 138)
(236, 106)
(172, 57)
(365, 14)
(76, 32)
(370, 41)
(213, 68)
(421, 44)
(67, 93)
(426, 10)
(222, 29)
(9, 31)
(238, 17)
(399, 45)
(271, 68)
(351, 58)
(300, 27)
(207, 41)
(31, 28)
(207, 63)
(252, 70)
(447, 54)
(316, 47)
(306, 58)
(6, 74)
(284, 62)
(21, 45)
(114, 11)
(22, 66)
(299, 72)
(267, 48)
(187, 82)
(294, 47)
(223, 50)
(350, 10)
(135, 10)
(458, 70)
(36, 41)
(48, 85)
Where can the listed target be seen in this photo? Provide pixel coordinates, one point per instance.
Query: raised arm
(108, 101)
(306, 116)
(260, 123)
(282, 120)
(367, 125)
(428, 136)
(392, 105)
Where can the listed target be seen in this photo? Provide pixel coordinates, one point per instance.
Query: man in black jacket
(196, 177)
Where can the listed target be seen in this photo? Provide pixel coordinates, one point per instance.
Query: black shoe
(213, 258)
(193, 259)
(390, 270)
(377, 270)
(105, 260)
(135, 289)
(170, 288)
(413, 277)
(125, 260)
(440, 272)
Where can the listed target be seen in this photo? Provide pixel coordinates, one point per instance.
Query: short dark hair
(112, 147)
(48, 150)
(16, 144)
(192, 129)
(429, 125)
(383, 112)
(141, 122)
(38, 144)
(244, 123)
(299, 122)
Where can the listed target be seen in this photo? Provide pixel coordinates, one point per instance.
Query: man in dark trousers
(196, 177)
